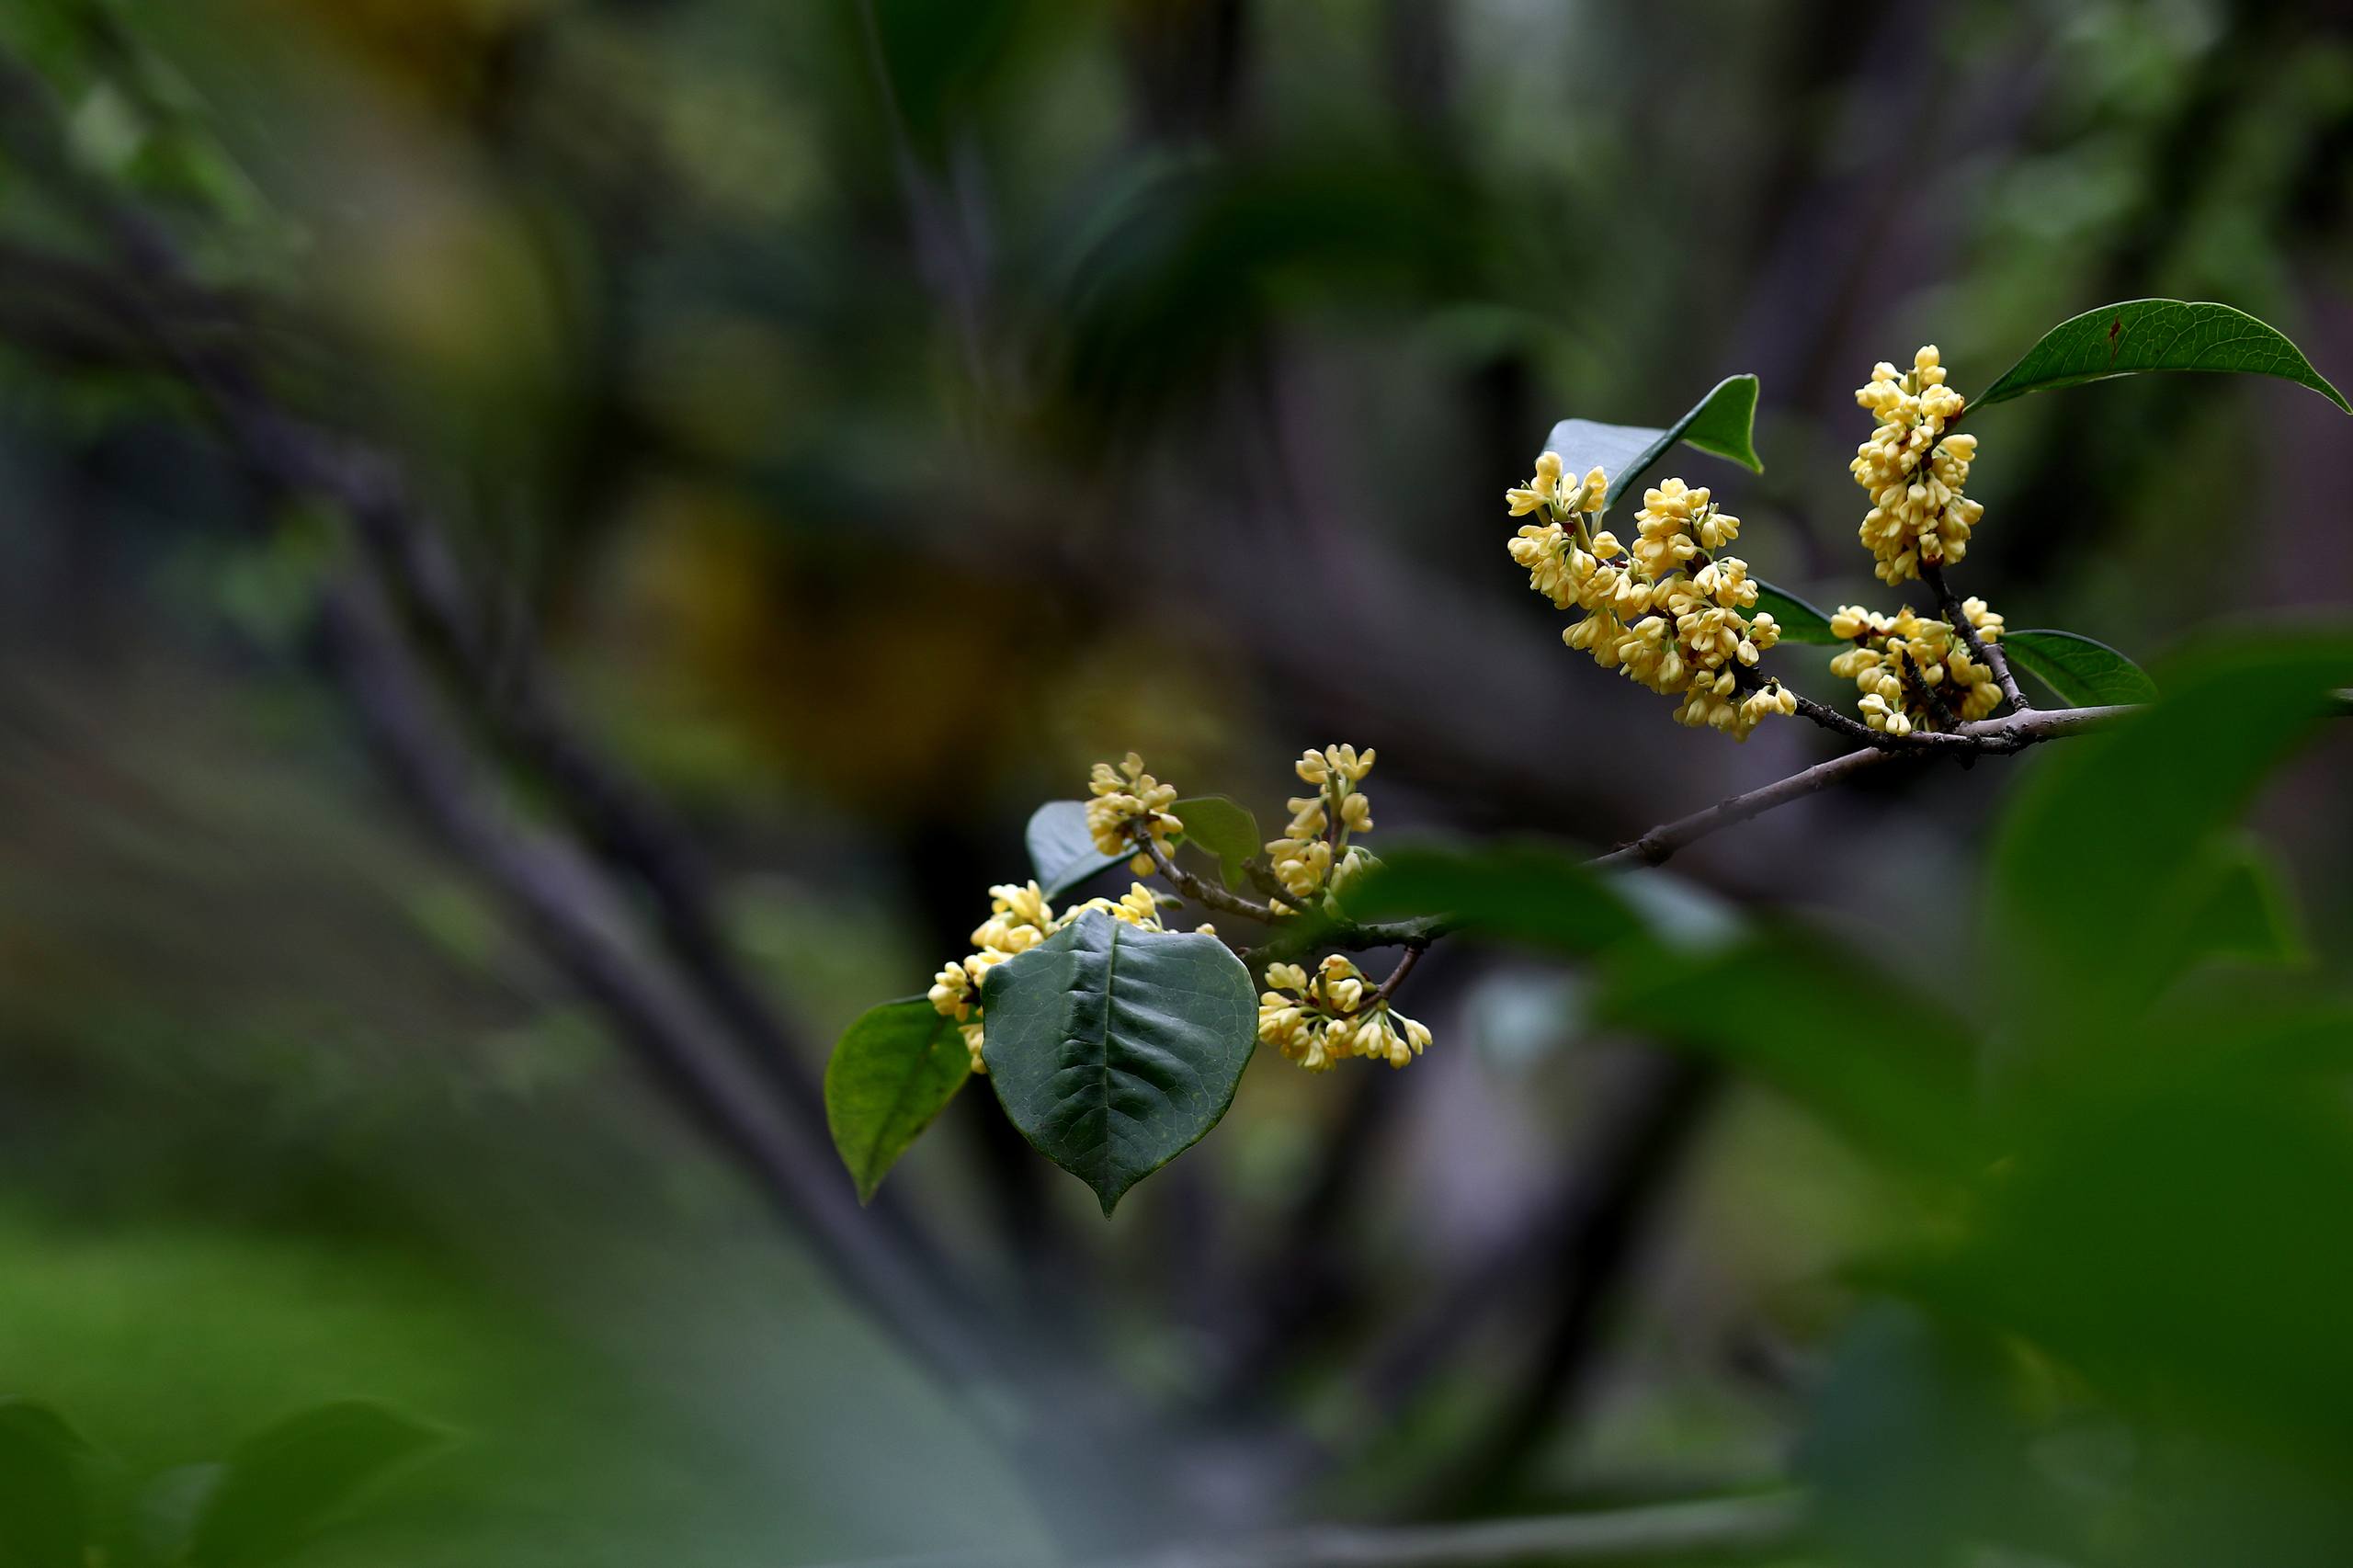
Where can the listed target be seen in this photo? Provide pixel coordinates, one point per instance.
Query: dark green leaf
(280, 1486)
(1062, 851)
(1522, 893)
(2156, 335)
(1915, 1447)
(2244, 910)
(162, 1520)
(1224, 829)
(2082, 673)
(44, 1520)
(2096, 868)
(1721, 423)
(1800, 621)
(894, 1070)
(1114, 1049)
(1813, 1021)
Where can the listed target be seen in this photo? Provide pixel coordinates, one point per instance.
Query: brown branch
(1414, 953)
(584, 928)
(1989, 654)
(1203, 892)
(1994, 736)
(290, 459)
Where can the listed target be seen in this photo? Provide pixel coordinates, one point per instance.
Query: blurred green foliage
(869, 449)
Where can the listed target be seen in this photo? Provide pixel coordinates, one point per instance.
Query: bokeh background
(838, 426)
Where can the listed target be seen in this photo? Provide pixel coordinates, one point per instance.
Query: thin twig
(1203, 892)
(1989, 654)
(1405, 967)
(1995, 736)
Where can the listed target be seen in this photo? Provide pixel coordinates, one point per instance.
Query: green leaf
(1533, 894)
(44, 1518)
(1114, 1049)
(281, 1486)
(1812, 1021)
(1800, 621)
(1221, 827)
(163, 1517)
(893, 1071)
(2156, 335)
(2085, 673)
(1062, 851)
(1722, 423)
(2099, 867)
(2243, 911)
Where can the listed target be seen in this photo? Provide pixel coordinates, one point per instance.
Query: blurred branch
(1580, 1262)
(573, 913)
(1578, 1242)
(1718, 1526)
(878, 1255)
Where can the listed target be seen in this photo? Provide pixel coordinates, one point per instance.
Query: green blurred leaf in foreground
(1722, 423)
(2082, 672)
(894, 1071)
(2155, 335)
(282, 1484)
(1223, 828)
(1114, 1049)
(1532, 893)
(2099, 867)
(44, 1518)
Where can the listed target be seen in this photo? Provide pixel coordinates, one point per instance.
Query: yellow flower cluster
(1317, 1020)
(1128, 801)
(1914, 471)
(1909, 667)
(1321, 823)
(1021, 918)
(1668, 613)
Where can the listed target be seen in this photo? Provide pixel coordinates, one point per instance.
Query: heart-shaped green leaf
(2156, 335)
(2084, 673)
(44, 1521)
(1722, 423)
(893, 1071)
(1798, 621)
(1114, 1049)
(281, 1486)
(1223, 828)
(1062, 851)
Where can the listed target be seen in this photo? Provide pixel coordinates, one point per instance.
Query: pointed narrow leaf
(1800, 621)
(2156, 335)
(1114, 1049)
(1223, 828)
(2085, 673)
(280, 1486)
(1722, 423)
(893, 1071)
(44, 1521)
(1062, 851)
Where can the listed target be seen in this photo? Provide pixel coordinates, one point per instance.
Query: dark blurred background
(789, 443)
